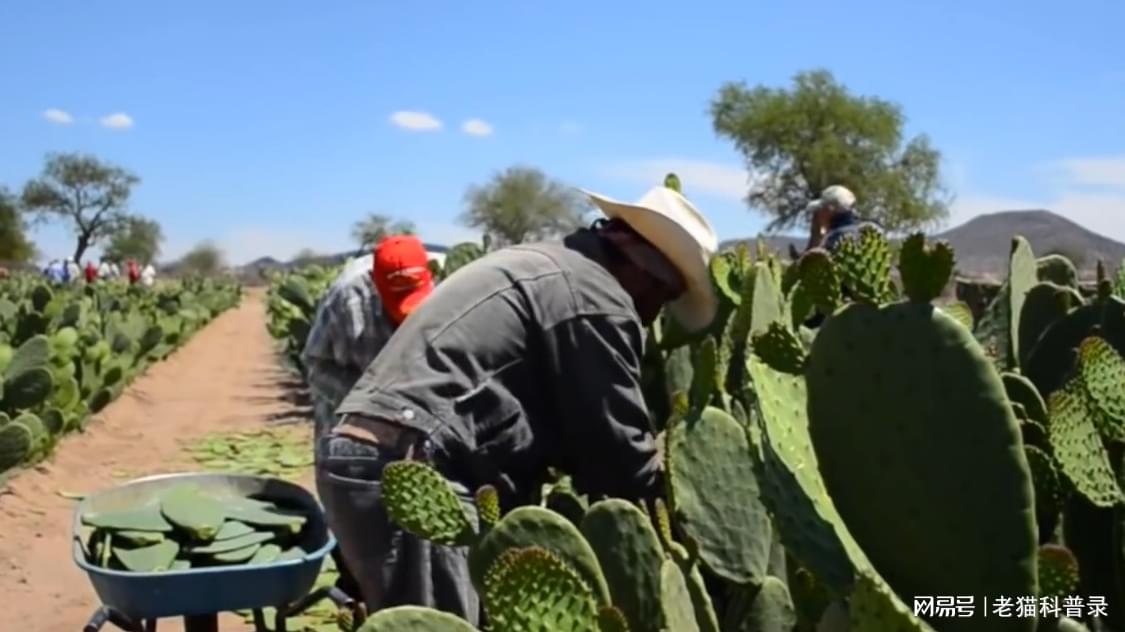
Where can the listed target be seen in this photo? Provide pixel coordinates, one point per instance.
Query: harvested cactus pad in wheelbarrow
(190, 527)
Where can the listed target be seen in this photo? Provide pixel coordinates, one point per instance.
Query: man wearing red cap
(357, 315)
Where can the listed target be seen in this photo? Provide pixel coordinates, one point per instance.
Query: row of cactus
(294, 296)
(842, 440)
(66, 352)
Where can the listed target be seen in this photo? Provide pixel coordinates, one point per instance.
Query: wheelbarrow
(135, 601)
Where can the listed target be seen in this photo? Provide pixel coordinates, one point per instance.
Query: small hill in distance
(982, 244)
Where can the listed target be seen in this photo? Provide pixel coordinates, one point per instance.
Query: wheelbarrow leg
(105, 614)
(337, 596)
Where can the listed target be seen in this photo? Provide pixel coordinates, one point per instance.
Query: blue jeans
(392, 567)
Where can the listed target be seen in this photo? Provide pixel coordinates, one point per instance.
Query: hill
(982, 244)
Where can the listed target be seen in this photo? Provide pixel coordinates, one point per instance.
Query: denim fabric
(392, 567)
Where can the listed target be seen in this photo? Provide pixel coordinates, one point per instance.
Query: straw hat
(683, 235)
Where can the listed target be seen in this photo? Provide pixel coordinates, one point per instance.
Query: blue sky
(269, 126)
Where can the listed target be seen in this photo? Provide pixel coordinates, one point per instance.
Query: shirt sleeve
(607, 440)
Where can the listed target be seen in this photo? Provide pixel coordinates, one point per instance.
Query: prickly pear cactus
(926, 269)
(1077, 446)
(414, 619)
(532, 589)
(631, 556)
(1058, 270)
(420, 500)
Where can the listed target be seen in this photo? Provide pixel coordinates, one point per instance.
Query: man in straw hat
(833, 217)
(526, 359)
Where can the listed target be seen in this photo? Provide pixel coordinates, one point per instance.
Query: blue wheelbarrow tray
(202, 591)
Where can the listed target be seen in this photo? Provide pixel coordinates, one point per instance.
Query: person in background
(833, 217)
(148, 275)
(134, 271)
(55, 272)
(356, 317)
(91, 272)
(526, 359)
(105, 270)
(73, 271)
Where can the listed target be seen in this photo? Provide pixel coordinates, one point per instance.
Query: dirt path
(225, 378)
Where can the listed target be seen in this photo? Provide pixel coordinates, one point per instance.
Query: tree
(135, 237)
(797, 142)
(90, 194)
(304, 257)
(15, 247)
(204, 259)
(375, 227)
(521, 204)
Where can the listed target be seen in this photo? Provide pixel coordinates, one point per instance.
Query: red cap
(402, 274)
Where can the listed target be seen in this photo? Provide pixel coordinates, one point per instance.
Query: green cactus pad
(139, 538)
(1077, 446)
(53, 421)
(34, 353)
(675, 600)
(532, 589)
(820, 279)
(41, 295)
(534, 526)
(1021, 391)
(925, 268)
(66, 394)
(1103, 373)
(27, 388)
(488, 505)
(148, 559)
(421, 501)
(189, 508)
(714, 495)
(1058, 571)
(810, 596)
(414, 619)
(1048, 491)
(672, 181)
(267, 554)
(630, 555)
(875, 608)
(801, 304)
(235, 543)
(1057, 269)
(780, 348)
(768, 301)
(1035, 434)
(245, 554)
(864, 262)
(40, 438)
(146, 517)
(611, 619)
(704, 608)
(232, 529)
(1044, 304)
(791, 485)
(723, 277)
(15, 445)
(1022, 277)
(892, 393)
(678, 371)
(960, 312)
(705, 374)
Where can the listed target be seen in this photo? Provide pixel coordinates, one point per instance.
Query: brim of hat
(402, 305)
(696, 308)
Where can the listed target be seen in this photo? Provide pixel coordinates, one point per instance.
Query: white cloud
(415, 121)
(476, 127)
(58, 117)
(1104, 171)
(119, 120)
(570, 128)
(721, 180)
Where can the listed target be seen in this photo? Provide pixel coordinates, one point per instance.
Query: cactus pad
(875, 608)
(1077, 446)
(925, 269)
(714, 495)
(705, 376)
(770, 608)
(630, 555)
(1058, 270)
(723, 277)
(780, 348)
(414, 619)
(27, 388)
(1103, 373)
(34, 353)
(892, 393)
(672, 181)
(148, 559)
(960, 312)
(1022, 277)
(864, 262)
(421, 501)
(530, 589)
(1058, 571)
(15, 445)
(675, 600)
(820, 280)
(768, 302)
(530, 526)
(1044, 304)
(1021, 391)
(1048, 491)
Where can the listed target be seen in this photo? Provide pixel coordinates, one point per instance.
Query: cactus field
(823, 478)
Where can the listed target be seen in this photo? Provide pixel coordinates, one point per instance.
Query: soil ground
(226, 378)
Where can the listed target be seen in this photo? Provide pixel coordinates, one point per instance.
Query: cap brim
(405, 304)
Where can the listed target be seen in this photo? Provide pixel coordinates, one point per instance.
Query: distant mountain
(983, 243)
(269, 263)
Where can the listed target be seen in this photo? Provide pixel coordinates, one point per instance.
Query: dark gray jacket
(528, 358)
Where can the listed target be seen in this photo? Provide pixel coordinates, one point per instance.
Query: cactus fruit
(15, 445)
(421, 501)
(532, 589)
(913, 384)
(714, 495)
(1077, 446)
(925, 269)
(414, 619)
(534, 526)
(820, 280)
(630, 555)
(675, 600)
(1103, 374)
(780, 348)
(1058, 571)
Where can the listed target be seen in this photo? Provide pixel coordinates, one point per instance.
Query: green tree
(523, 204)
(137, 237)
(304, 257)
(15, 247)
(204, 259)
(372, 229)
(801, 140)
(83, 191)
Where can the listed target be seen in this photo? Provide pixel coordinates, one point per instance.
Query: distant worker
(91, 272)
(105, 270)
(73, 271)
(833, 217)
(148, 275)
(134, 271)
(356, 317)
